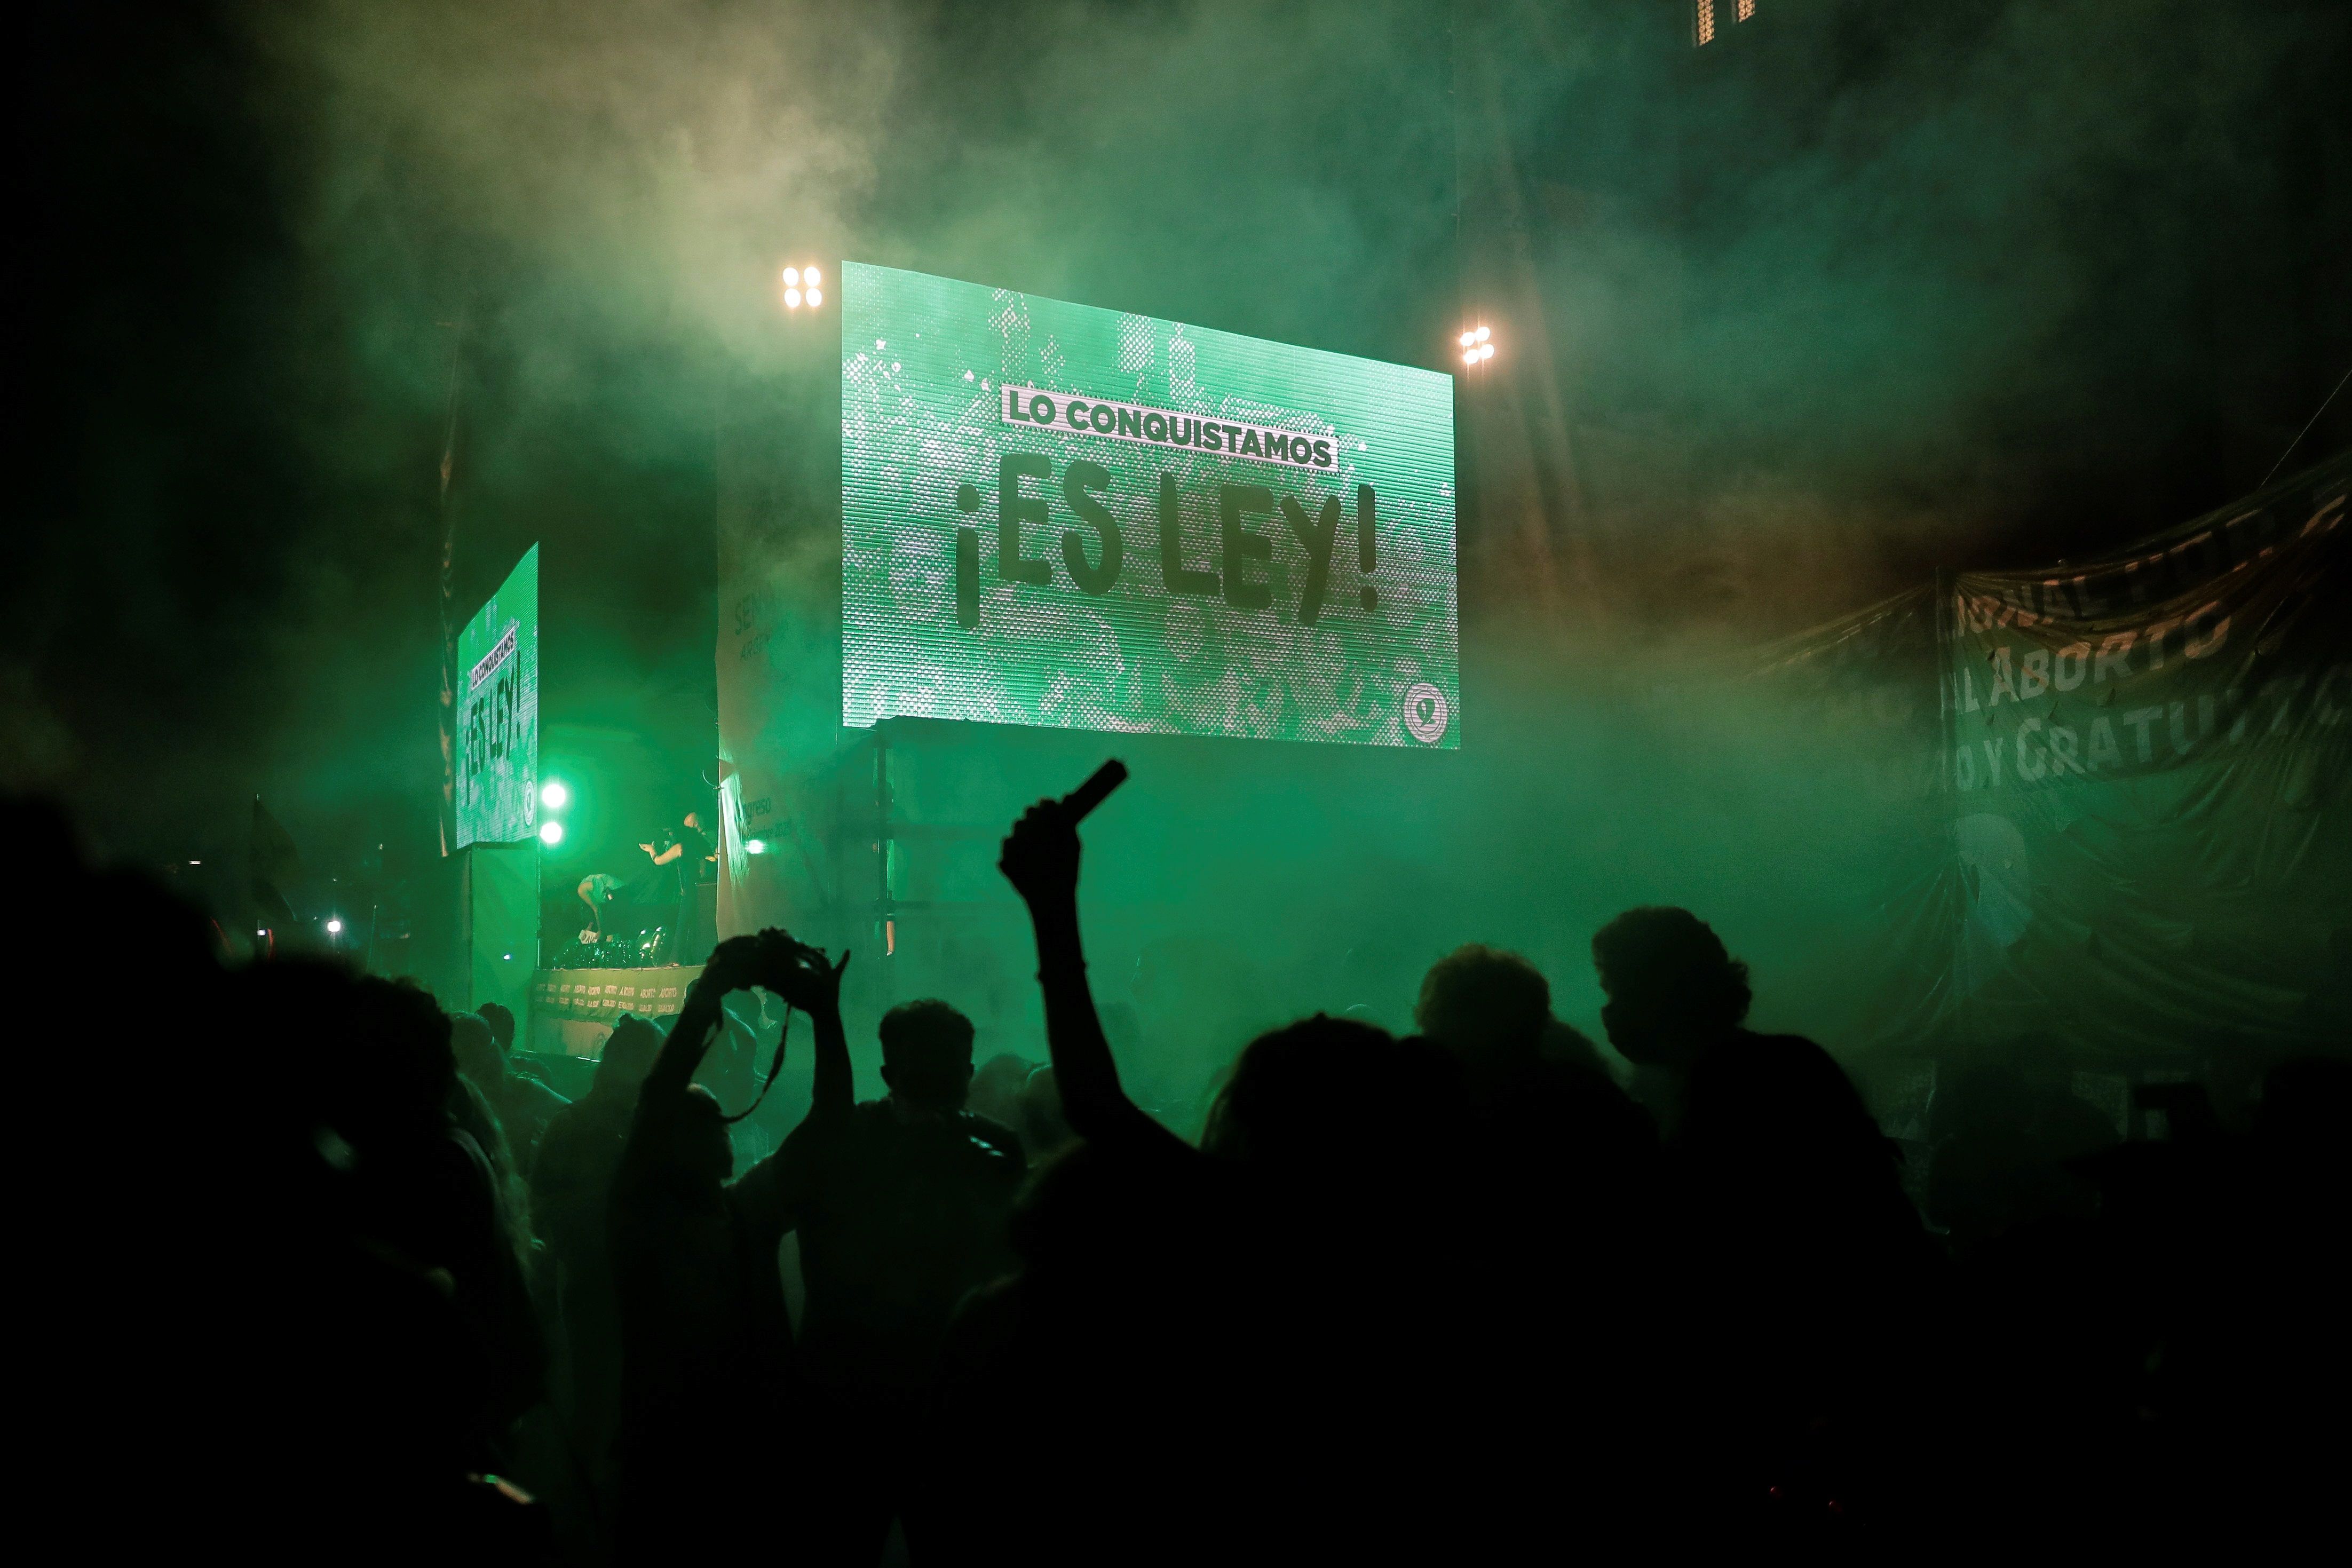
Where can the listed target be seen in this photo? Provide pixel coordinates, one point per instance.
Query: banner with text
(2147, 759)
(601, 996)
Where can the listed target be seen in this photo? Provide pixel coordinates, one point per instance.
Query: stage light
(792, 299)
(334, 928)
(550, 833)
(816, 299)
(755, 847)
(809, 277)
(1469, 338)
(792, 277)
(1482, 335)
(553, 795)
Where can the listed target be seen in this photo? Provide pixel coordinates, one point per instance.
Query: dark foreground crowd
(318, 1271)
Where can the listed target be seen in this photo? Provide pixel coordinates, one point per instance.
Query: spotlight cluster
(802, 288)
(554, 796)
(1475, 349)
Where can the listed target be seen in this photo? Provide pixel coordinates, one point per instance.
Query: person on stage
(683, 858)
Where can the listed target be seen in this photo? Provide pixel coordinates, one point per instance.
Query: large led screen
(497, 712)
(1058, 515)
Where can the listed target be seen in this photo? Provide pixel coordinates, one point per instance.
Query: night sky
(1903, 286)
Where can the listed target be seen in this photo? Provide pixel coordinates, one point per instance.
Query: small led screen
(497, 712)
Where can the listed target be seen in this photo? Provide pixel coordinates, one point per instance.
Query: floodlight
(334, 928)
(550, 833)
(1482, 333)
(800, 280)
(1469, 338)
(553, 795)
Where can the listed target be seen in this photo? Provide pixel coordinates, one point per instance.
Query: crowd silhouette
(353, 1282)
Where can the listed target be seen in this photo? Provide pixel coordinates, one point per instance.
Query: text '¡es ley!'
(1084, 487)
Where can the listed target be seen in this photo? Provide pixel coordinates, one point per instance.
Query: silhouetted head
(477, 1049)
(1481, 1000)
(396, 1078)
(927, 1055)
(1671, 986)
(302, 1009)
(502, 1023)
(1321, 1094)
(629, 1054)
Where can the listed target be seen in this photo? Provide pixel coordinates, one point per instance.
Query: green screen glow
(497, 712)
(1064, 515)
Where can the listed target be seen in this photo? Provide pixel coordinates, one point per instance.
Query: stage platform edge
(572, 1010)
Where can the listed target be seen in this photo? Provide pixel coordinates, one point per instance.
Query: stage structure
(2102, 803)
(496, 796)
(1045, 524)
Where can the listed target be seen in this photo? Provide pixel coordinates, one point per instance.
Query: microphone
(1091, 794)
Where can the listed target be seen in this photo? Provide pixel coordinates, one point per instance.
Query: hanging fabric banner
(2148, 764)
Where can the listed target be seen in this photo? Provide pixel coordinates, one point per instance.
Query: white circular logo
(1426, 712)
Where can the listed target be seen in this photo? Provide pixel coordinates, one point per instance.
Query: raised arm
(1040, 861)
(812, 984)
(733, 966)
